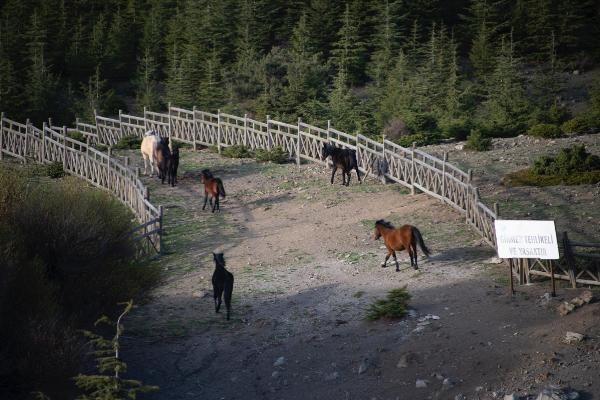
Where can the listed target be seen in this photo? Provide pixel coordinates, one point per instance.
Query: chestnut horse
(396, 239)
(213, 187)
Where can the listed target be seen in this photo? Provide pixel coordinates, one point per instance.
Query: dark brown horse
(213, 189)
(162, 157)
(222, 281)
(173, 165)
(396, 239)
(341, 158)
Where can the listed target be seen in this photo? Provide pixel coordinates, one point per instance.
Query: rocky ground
(306, 268)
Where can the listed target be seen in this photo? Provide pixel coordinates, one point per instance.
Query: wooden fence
(384, 159)
(52, 144)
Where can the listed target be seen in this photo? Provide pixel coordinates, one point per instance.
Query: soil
(306, 269)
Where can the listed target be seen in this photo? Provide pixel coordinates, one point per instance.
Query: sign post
(527, 239)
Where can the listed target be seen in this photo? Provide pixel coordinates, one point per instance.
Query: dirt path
(305, 269)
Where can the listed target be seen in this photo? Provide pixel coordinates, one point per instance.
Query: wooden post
(328, 128)
(1, 134)
(269, 132)
(246, 130)
(219, 131)
(145, 121)
(50, 122)
(551, 264)
(64, 148)
(137, 172)
(160, 230)
(27, 141)
(170, 126)
(570, 259)
(382, 159)
(412, 168)
(126, 161)
(468, 197)
(109, 152)
(194, 127)
(298, 144)
(43, 142)
(120, 124)
(510, 271)
(444, 161)
(146, 193)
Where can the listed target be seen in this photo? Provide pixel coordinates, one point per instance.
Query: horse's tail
(419, 240)
(220, 187)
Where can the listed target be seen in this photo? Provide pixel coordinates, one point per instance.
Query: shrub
(545, 131)
(568, 161)
(421, 139)
(582, 123)
(393, 306)
(457, 128)
(478, 141)
(128, 142)
(101, 147)
(55, 170)
(276, 155)
(236, 151)
(395, 128)
(76, 135)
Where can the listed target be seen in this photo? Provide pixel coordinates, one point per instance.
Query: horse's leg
(396, 260)
(357, 174)
(333, 173)
(205, 199)
(348, 180)
(218, 306)
(216, 202)
(415, 255)
(387, 257)
(412, 255)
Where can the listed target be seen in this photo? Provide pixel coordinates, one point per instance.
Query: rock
(428, 317)
(333, 376)
(199, 294)
(479, 389)
(279, 362)
(573, 337)
(576, 72)
(565, 308)
(459, 146)
(587, 296)
(438, 376)
(511, 397)
(403, 362)
(362, 368)
(573, 395)
(412, 313)
(494, 260)
(448, 383)
(552, 393)
(577, 301)
(460, 396)
(421, 383)
(275, 374)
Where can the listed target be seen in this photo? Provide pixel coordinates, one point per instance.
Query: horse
(173, 165)
(148, 148)
(406, 237)
(222, 281)
(213, 187)
(162, 155)
(342, 158)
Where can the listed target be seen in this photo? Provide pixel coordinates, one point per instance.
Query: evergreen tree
(322, 25)
(385, 42)
(347, 53)
(147, 94)
(210, 94)
(96, 97)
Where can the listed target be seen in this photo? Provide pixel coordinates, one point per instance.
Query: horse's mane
(384, 223)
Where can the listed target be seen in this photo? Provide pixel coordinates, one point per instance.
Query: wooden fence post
(444, 161)
(64, 148)
(160, 229)
(468, 197)
(120, 123)
(328, 128)
(298, 143)
(145, 121)
(170, 126)
(27, 141)
(412, 168)
(146, 193)
(219, 131)
(1, 134)
(43, 142)
(269, 132)
(194, 127)
(382, 159)
(246, 130)
(109, 152)
(137, 172)
(569, 259)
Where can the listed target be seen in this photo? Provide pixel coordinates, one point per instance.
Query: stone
(565, 308)
(403, 362)
(448, 383)
(573, 395)
(199, 294)
(552, 393)
(460, 396)
(275, 374)
(438, 376)
(577, 301)
(587, 296)
(279, 362)
(511, 397)
(333, 376)
(421, 383)
(459, 146)
(573, 337)
(362, 368)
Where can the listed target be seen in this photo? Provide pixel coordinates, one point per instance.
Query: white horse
(148, 147)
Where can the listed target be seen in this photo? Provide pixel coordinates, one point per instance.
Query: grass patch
(276, 155)
(527, 177)
(394, 306)
(55, 170)
(236, 151)
(359, 294)
(128, 142)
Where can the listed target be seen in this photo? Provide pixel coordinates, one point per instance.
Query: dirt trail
(305, 269)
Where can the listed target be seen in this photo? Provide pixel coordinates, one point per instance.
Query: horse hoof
(383, 265)
(397, 270)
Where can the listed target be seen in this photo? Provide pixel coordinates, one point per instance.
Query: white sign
(526, 239)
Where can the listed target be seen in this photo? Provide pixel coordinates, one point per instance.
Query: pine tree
(385, 42)
(322, 24)
(96, 97)
(210, 94)
(348, 50)
(147, 94)
(8, 82)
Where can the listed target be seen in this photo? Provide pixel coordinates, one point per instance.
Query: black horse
(162, 155)
(342, 158)
(222, 281)
(173, 165)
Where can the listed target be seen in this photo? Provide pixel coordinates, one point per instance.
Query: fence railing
(52, 144)
(410, 167)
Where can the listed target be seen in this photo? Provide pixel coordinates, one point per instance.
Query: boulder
(573, 337)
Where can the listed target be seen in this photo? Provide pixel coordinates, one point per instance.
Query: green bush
(457, 128)
(101, 147)
(527, 177)
(76, 135)
(55, 170)
(276, 155)
(420, 139)
(568, 161)
(579, 124)
(67, 258)
(128, 142)
(478, 141)
(548, 131)
(236, 151)
(393, 306)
